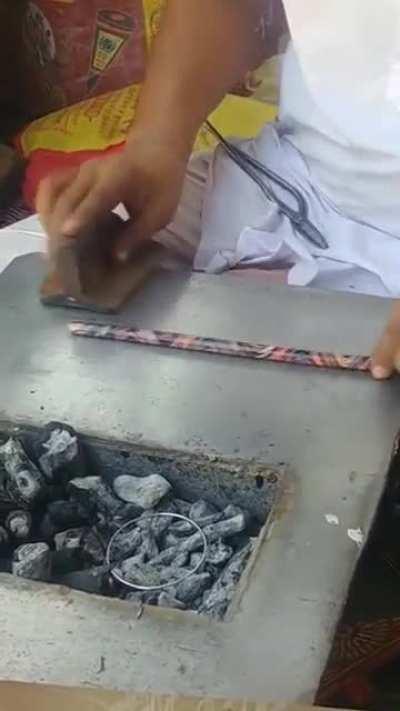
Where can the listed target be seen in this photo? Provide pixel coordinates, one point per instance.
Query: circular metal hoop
(152, 588)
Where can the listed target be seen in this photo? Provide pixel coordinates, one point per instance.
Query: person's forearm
(203, 49)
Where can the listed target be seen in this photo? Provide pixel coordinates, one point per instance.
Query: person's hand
(147, 177)
(386, 357)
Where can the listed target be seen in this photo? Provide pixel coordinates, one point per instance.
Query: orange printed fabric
(77, 49)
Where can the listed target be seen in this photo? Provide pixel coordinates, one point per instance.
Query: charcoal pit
(63, 498)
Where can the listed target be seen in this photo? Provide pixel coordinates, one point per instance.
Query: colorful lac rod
(219, 346)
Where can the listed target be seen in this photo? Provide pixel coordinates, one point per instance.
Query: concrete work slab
(331, 431)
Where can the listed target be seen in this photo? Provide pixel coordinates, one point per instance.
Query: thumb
(386, 357)
(136, 232)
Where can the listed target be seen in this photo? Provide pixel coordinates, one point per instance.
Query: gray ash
(57, 516)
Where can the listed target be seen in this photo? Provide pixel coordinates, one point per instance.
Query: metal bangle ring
(150, 588)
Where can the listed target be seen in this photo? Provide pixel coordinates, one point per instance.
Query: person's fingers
(96, 203)
(386, 357)
(71, 198)
(50, 190)
(383, 359)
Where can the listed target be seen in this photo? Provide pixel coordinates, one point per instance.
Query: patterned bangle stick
(218, 346)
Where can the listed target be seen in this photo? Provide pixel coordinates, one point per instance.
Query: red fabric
(44, 162)
(74, 50)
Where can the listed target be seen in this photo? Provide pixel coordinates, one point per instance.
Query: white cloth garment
(340, 99)
(338, 142)
(242, 229)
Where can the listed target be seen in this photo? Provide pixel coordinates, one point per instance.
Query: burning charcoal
(133, 561)
(172, 540)
(201, 509)
(180, 529)
(48, 529)
(19, 524)
(232, 511)
(159, 525)
(240, 540)
(181, 507)
(84, 487)
(167, 556)
(126, 512)
(204, 514)
(62, 515)
(146, 574)
(219, 553)
(214, 532)
(108, 504)
(181, 559)
(144, 492)
(208, 520)
(32, 561)
(70, 539)
(126, 544)
(185, 528)
(93, 580)
(195, 559)
(149, 546)
(165, 599)
(25, 482)
(59, 453)
(166, 505)
(197, 603)
(4, 541)
(67, 556)
(103, 520)
(91, 491)
(6, 501)
(136, 575)
(104, 525)
(217, 601)
(191, 588)
(55, 492)
(65, 561)
(68, 514)
(225, 529)
(93, 549)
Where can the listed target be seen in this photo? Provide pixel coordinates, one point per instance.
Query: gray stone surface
(219, 597)
(144, 492)
(70, 539)
(19, 524)
(32, 561)
(60, 450)
(26, 482)
(331, 431)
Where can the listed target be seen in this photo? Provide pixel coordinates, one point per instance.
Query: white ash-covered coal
(58, 515)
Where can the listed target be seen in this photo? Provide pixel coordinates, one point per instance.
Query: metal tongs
(258, 172)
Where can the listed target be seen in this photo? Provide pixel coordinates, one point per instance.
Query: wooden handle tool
(83, 273)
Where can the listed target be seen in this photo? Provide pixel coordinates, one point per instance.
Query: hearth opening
(157, 527)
